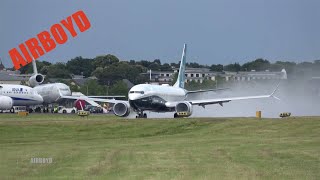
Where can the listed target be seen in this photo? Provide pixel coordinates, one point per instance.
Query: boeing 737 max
(165, 98)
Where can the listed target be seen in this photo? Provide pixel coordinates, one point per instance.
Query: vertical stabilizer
(34, 66)
(181, 74)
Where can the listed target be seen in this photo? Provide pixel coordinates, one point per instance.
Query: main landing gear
(141, 115)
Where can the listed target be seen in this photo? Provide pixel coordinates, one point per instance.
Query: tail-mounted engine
(36, 79)
(183, 109)
(121, 109)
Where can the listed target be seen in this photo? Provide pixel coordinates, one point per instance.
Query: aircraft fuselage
(21, 95)
(155, 97)
(52, 93)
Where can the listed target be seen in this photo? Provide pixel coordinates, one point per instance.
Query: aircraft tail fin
(34, 66)
(181, 74)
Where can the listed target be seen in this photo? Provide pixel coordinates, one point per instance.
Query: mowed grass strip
(107, 147)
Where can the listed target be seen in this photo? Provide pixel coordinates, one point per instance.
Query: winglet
(274, 91)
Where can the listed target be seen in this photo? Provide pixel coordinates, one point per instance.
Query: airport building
(201, 74)
(198, 74)
(6, 78)
(13, 77)
(254, 75)
(192, 74)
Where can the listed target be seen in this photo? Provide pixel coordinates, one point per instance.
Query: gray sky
(216, 31)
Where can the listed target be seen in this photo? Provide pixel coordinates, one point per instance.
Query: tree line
(110, 71)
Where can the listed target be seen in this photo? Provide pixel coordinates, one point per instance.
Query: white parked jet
(51, 92)
(18, 95)
(165, 98)
(55, 92)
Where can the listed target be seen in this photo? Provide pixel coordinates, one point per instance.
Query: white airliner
(18, 95)
(51, 92)
(165, 98)
(55, 92)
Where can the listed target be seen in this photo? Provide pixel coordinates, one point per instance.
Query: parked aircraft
(165, 98)
(51, 92)
(18, 95)
(56, 92)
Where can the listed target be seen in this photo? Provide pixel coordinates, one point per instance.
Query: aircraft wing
(104, 97)
(224, 100)
(92, 101)
(220, 101)
(206, 90)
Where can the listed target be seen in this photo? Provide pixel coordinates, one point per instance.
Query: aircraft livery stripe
(21, 99)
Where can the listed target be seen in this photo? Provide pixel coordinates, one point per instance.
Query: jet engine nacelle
(36, 80)
(121, 109)
(183, 109)
(5, 103)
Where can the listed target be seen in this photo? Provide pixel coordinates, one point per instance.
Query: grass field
(106, 147)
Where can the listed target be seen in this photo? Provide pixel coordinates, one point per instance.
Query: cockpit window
(138, 92)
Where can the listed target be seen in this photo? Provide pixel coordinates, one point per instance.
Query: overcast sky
(216, 31)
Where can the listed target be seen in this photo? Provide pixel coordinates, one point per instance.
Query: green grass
(106, 147)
